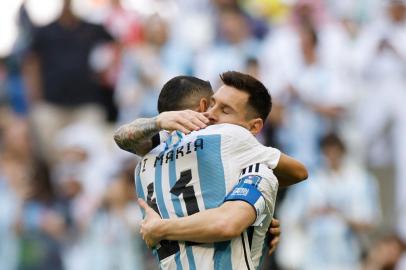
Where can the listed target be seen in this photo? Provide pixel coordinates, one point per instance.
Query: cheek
(224, 118)
(231, 119)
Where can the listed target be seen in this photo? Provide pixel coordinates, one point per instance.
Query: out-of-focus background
(73, 71)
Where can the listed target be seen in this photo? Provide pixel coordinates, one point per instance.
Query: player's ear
(203, 105)
(255, 125)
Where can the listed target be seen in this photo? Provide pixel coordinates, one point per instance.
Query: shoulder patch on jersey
(251, 179)
(247, 191)
(240, 191)
(244, 191)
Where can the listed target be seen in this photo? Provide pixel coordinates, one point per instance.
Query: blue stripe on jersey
(213, 188)
(172, 182)
(178, 210)
(211, 172)
(222, 256)
(168, 142)
(178, 262)
(191, 259)
(158, 190)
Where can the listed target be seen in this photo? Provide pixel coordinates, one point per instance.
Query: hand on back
(185, 121)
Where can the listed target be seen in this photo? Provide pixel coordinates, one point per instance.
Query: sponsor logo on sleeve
(240, 191)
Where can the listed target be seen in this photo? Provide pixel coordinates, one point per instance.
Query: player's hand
(150, 225)
(275, 233)
(185, 121)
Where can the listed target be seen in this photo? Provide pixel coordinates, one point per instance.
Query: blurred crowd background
(72, 71)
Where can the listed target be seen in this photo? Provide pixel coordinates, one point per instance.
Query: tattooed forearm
(135, 137)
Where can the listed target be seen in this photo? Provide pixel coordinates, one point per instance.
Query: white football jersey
(191, 173)
(257, 186)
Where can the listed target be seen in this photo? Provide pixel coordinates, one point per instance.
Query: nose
(211, 114)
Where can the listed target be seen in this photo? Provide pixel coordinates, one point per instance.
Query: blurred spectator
(313, 97)
(63, 88)
(30, 204)
(41, 226)
(256, 23)
(10, 192)
(324, 218)
(8, 211)
(115, 225)
(80, 174)
(281, 52)
(193, 24)
(146, 67)
(82, 155)
(123, 24)
(235, 46)
(361, 11)
(383, 114)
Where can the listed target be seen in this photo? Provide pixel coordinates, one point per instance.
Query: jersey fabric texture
(190, 173)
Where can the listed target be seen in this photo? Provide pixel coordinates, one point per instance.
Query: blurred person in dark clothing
(62, 86)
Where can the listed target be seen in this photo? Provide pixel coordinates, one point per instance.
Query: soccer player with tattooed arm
(208, 183)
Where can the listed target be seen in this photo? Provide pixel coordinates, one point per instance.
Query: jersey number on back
(188, 192)
(171, 247)
(180, 187)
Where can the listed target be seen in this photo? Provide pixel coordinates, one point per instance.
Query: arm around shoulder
(214, 225)
(136, 137)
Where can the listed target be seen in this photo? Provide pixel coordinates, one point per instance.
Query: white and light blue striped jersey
(257, 186)
(191, 173)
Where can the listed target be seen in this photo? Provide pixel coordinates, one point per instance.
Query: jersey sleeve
(257, 186)
(245, 149)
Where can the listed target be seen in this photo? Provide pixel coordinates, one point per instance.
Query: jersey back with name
(191, 173)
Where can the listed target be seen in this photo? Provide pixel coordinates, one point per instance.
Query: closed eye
(226, 110)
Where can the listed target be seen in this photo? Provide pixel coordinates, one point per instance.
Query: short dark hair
(259, 98)
(177, 92)
(332, 139)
